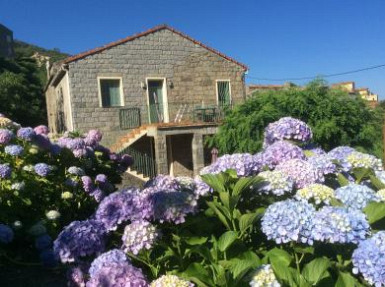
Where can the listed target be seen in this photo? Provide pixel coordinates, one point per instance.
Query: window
(111, 92)
(223, 93)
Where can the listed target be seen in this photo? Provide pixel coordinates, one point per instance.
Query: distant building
(6, 42)
(365, 93)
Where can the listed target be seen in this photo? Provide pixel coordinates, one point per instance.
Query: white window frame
(120, 89)
(165, 100)
(216, 89)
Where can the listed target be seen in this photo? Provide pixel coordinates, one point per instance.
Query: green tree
(21, 91)
(335, 117)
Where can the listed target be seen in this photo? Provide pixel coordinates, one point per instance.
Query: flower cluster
(27, 134)
(113, 256)
(369, 259)
(5, 170)
(359, 159)
(6, 234)
(288, 220)
(5, 136)
(171, 281)
(80, 239)
(356, 196)
(340, 154)
(244, 164)
(302, 172)
(338, 224)
(287, 129)
(139, 235)
(318, 192)
(14, 150)
(381, 194)
(74, 170)
(275, 182)
(323, 163)
(263, 277)
(281, 151)
(42, 169)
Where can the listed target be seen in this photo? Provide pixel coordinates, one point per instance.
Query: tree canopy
(335, 117)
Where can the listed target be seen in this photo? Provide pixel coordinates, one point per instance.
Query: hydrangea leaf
(198, 274)
(361, 173)
(196, 240)
(376, 182)
(342, 180)
(315, 270)
(277, 255)
(375, 211)
(226, 239)
(247, 220)
(345, 279)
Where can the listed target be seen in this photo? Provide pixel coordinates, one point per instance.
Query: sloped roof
(150, 31)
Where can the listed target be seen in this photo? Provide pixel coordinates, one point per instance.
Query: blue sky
(274, 38)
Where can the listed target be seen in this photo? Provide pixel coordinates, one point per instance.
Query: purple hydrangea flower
(76, 171)
(171, 280)
(5, 171)
(43, 142)
(101, 178)
(201, 188)
(323, 163)
(97, 194)
(42, 169)
(118, 275)
(5, 136)
(302, 172)
(166, 206)
(340, 154)
(80, 239)
(338, 224)
(105, 259)
(41, 130)
(163, 182)
(93, 137)
(287, 128)
(289, 220)
(80, 152)
(369, 259)
(356, 196)
(139, 235)
(88, 184)
(243, 163)
(126, 160)
(26, 134)
(14, 150)
(281, 151)
(6, 234)
(76, 143)
(64, 141)
(117, 208)
(76, 277)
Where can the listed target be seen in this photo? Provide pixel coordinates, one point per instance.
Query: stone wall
(191, 68)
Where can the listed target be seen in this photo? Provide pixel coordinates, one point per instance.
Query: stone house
(156, 94)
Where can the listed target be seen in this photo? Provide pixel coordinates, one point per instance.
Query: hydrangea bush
(46, 184)
(287, 216)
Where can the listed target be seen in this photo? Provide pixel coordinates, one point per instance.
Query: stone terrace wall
(192, 69)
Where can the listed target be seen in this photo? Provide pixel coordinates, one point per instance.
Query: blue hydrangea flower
(117, 208)
(287, 128)
(43, 242)
(26, 134)
(42, 169)
(264, 277)
(76, 171)
(119, 275)
(369, 259)
(340, 154)
(75, 143)
(105, 259)
(139, 235)
(5, 171)
(43, 142)
(5, 136)
(163, 182)
(289, 220)
(275, 182)
(281, 151)
(356, 196)
(302, 172)
(171, 280)
(14, 150)
(6, 234)
(338, 224)
(80, 239)
(201, 188)
(380, 174)
(88, 184)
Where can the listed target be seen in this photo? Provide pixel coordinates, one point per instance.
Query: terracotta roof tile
(152, 30)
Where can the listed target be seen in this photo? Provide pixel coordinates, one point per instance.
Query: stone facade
(189, 69)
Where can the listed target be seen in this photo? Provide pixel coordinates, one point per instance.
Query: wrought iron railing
(143, 163)
(182, 112)
(129, 118)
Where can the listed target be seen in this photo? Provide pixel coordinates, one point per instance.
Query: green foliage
(335, 118)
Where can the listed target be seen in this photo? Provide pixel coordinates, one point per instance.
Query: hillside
(41, 55)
